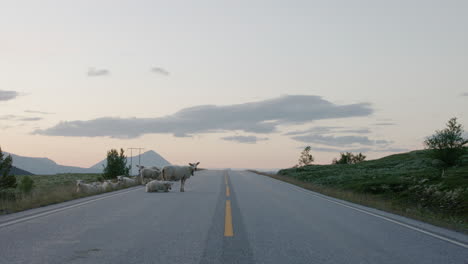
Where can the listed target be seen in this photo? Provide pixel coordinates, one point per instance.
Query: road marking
(228, 231)
(23, 219)
(228, 191)
(225, 179)
(376, 215)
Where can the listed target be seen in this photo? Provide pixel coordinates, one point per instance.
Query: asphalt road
(222, 217)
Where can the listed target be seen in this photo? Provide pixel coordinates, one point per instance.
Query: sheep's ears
(197, 163)
(191, 165)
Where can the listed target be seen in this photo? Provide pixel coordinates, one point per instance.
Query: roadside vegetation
(21, 192)
(430, 185)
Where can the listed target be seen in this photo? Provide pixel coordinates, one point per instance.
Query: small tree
(6, 179)
(349, 158)
(26, 184)
(447, 144)
(306, 158)
(116, 164)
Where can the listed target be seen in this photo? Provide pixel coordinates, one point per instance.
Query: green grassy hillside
(408, 181)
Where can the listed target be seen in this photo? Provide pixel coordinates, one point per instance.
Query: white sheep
(86, 188)
(151, 173)
(126, 181)
(176, 173)
(113, 185)
(154, 186)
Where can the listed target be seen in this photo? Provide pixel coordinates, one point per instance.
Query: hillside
(149, 158)
(17, 171)
(409, 181)
(45, 166)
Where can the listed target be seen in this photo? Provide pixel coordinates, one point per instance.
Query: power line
(131, 157)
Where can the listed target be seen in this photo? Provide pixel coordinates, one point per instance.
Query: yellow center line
(228, 231)
(225, 179)
(228, 191)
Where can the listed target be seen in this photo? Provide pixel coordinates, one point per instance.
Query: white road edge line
(23, 219)
(376, 215)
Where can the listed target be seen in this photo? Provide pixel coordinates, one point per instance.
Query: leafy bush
(447, 144)
(26, 184)
(116, 164)
(349, 158)
(6, 179)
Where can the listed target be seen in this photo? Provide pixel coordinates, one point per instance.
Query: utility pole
(131, 157)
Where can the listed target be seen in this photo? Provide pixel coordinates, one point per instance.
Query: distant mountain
(149, 158)
(45, 166)
(17, 171)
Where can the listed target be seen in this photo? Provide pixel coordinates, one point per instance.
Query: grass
(406, 184)
(49, 189)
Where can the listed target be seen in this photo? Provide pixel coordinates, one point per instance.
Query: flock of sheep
(154, 178)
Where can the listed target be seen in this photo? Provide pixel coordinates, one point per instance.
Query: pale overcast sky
(229, 83)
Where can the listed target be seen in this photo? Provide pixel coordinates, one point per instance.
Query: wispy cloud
(244, 139)
(253, 117)
(92, 72)
(8, 95)
(160, 71)
(384, 124)
(37, 112)
(464, 94)
(329, 130)
(19, 118)
(339, 140)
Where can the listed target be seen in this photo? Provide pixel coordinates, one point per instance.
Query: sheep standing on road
(176, 173)
(154, 186)
(147, 174)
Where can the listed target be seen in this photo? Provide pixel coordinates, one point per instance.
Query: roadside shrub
(8, 194)
(447, 144)
(26, 184)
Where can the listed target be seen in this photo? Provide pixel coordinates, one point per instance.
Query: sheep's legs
(182, 183)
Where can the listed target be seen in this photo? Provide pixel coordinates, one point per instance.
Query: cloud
(8, 95)
(97, 72)
(339, 140)
(160, 71)
(358, 149)
(464, 94)
(329, 130)
(384, 124)
(244, 139)
(19, 118)
(30, 118)
(253, 117)
(37, 112)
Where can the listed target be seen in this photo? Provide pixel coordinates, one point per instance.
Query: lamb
(176, 173)
(86, 188)
(153, 173)
(154, 186)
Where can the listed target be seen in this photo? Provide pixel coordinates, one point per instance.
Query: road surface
(222, 217)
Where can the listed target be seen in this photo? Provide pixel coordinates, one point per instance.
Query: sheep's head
(193, 167)
(168, 185)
